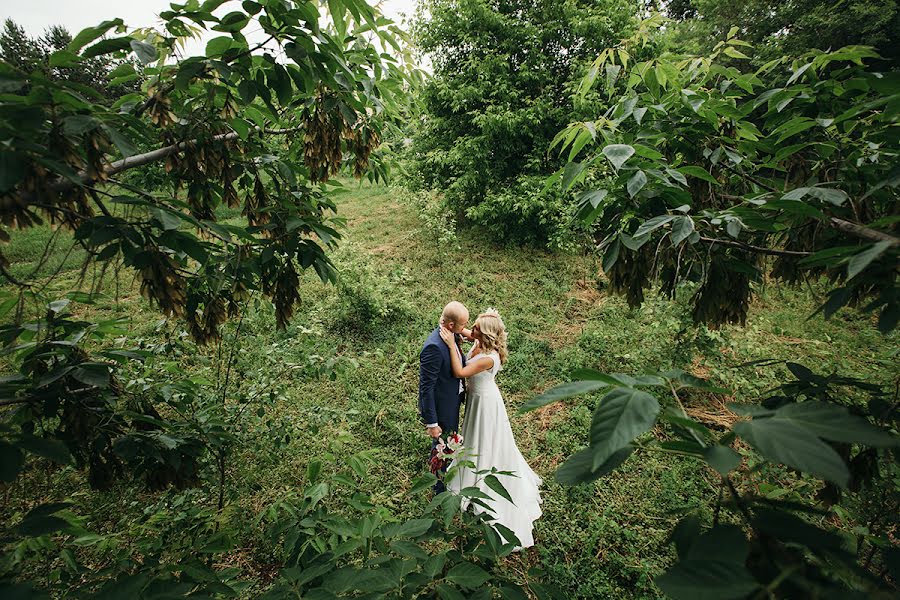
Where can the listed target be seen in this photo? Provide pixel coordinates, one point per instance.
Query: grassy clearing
(603, 540)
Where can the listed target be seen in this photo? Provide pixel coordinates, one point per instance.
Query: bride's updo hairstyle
(493, 333)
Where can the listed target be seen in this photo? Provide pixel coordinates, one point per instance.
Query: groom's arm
(429, 367)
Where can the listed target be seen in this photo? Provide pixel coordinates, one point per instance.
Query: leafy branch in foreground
(706, 167)
(791, 551)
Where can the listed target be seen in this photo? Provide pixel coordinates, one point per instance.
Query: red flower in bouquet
(441, 454)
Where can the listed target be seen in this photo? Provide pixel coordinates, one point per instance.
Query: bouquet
(442, 453)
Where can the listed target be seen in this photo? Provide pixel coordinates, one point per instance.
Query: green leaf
(146, 53)
(94, 374)
(712, 568)
(37, 525)
(63, 58)
(106, 46)
(50, 449)
(792, 128)
(426, 481)
(494, 483)
(698, 172)
(572, 172)
(652, 224)
(785, 442)
(559, 392)
(618, 154)
(219, 45)
(735, 53)
(835, 423)
(86, 36)
(622, 415)
(434, 565)
(247, 90)
(11, 461)
(706, 580)
(682, 228)
(415, 527)
(862, 260)
(122, 143)
(722, 459)
(579, 468)
(594, 375)
(467, 575)
(510, 591)
(446, 592)
(12, 169)
(636, 182)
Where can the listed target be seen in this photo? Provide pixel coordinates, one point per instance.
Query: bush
(367, 303)
(436, 215)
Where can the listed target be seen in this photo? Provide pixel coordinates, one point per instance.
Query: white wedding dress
(488, 440)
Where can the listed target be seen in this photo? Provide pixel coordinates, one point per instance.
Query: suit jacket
(439, 396)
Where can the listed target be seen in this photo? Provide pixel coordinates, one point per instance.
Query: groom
(440, 393)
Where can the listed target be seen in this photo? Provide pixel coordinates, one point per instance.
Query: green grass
(602, 540)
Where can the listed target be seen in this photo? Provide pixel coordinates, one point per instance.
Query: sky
(36, 15)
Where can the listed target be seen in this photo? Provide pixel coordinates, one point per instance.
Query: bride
(487, 434)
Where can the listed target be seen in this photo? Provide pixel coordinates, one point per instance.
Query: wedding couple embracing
(449, 378)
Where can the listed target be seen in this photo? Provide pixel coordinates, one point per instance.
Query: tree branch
(758, 249)
(139, 160)
(863, 231)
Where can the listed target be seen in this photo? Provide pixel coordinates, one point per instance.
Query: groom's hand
(434, 432)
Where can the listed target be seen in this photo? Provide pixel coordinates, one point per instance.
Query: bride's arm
(475, 366)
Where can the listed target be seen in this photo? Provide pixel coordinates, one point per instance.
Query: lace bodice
(486, 376)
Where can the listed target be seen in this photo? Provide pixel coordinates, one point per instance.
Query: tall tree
(503, 70)
(790, 26)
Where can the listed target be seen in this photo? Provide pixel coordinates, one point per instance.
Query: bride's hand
(447, 336)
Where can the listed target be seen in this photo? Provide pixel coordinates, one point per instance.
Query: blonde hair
(493, 333)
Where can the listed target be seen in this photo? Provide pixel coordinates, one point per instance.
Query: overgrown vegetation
(188, 411)
(501, 89)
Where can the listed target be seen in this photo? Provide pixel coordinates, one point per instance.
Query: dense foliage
(698, 173)
(33, 54)
(787, 27)
(500, 91)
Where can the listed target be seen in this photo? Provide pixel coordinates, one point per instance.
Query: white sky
(36, 15)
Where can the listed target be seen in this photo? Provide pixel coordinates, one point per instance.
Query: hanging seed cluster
(324, 127)
(159, 109)
(198, 165)
(630, 275)
(161, 282)
(204, 314)
(280, 282)
(365, 139)
(724, 296)
(255, 204)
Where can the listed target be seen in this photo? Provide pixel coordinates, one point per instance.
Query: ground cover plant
(211, 361)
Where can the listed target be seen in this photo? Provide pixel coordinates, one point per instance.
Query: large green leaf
(86, 36)
(559, 392)
(636, 183)
(722, 459)
(467, 575)
(11, 461)
(579, 468)
(698, 172)
(495, 484)
(862, 260)
(712, 568)
(783, 441)
(622, 415)
(706, 580)
(835, 423)
(618, 154)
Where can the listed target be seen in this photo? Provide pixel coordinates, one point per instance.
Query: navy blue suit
(439, 396)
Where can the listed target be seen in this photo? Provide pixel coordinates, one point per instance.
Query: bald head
(455, 316)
